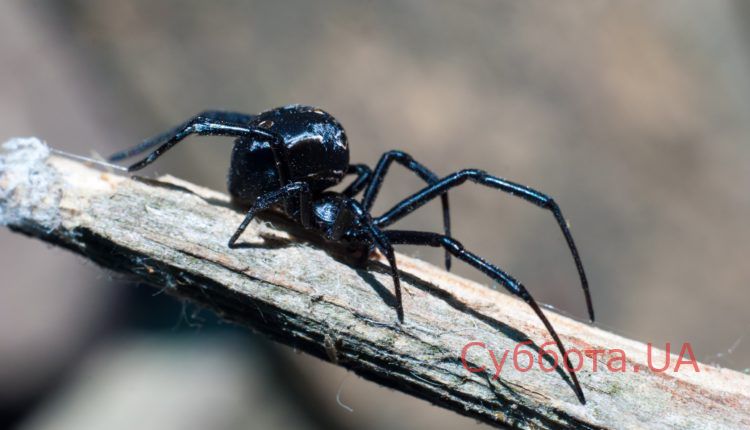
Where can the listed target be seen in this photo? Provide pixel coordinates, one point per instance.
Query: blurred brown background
(635, 116)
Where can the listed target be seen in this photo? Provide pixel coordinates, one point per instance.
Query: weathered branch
(173, 235)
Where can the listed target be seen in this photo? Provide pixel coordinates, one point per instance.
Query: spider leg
(287, 192)
(202, 126)
(350, 209)
(363, 177)
(228, 118)
(512, 285)
(384, 246)
(428, 193)
(423, 172)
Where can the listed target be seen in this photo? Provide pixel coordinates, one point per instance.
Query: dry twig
(173, 235)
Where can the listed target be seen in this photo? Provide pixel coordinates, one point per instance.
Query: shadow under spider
(339, 252)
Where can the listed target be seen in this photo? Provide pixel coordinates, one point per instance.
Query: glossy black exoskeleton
(292, 155)
(309, 146)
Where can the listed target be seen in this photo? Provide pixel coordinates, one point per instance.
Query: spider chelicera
(290, 156)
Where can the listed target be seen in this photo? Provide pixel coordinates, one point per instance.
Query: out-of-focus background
(634, 115)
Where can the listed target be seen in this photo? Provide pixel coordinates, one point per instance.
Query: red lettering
(517, 352)
(621, 359)
(551, 353)
(651, 364)
(680, 361)
(498, 367)
(465, 350)
(592, 353)
(566, 356)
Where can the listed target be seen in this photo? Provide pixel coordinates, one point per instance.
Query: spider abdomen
(314, 149)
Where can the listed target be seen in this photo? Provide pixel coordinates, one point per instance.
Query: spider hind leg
(439, 188)
(400, 237)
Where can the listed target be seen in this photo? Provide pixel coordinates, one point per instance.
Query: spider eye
(266, 124)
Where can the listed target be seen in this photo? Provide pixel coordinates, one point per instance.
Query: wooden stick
(173, 234)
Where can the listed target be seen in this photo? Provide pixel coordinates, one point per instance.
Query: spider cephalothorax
(290, 156)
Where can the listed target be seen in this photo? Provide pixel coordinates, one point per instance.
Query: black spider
(291, 155)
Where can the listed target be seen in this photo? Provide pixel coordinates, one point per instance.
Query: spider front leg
(300, 190)
(349, 211)
(383, 244)
(418, 199)
(208, 123)
(451, 245)
(229, 118)
(423, 172)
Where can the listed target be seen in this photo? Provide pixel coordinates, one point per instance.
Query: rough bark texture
(173, 235)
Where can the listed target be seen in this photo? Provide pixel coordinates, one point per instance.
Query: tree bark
(291, 287)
